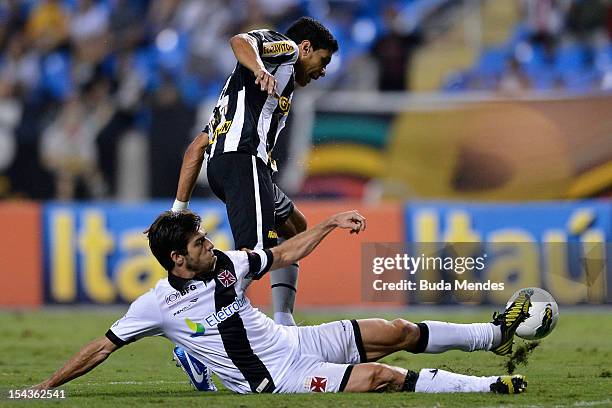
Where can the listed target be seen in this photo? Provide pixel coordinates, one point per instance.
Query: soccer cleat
(199, 375)
(509, 384)
(509, 321)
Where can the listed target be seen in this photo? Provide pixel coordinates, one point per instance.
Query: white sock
(433, 380)
(467, 337)
(284, 283)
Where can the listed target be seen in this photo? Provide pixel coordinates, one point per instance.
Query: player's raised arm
(303, 244)
(247, 53)
(190, 169)
(81, 363)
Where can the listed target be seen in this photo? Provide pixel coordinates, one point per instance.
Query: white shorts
(326, 357)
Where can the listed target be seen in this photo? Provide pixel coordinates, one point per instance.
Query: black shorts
(253, 213)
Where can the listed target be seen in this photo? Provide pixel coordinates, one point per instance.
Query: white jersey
(213, 320)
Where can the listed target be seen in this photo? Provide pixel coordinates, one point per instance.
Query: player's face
(312, 65)
(200, 256)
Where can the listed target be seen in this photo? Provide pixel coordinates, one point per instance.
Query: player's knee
(407, 333)
(380, 376)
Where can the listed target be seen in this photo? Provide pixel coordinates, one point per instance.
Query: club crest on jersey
(318, 384)
(226, 278)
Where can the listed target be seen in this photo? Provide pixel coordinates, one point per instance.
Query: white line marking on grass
(591, 403)
(575, 404)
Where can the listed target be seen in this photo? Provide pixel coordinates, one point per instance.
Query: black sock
(423, 338)
(410, 381)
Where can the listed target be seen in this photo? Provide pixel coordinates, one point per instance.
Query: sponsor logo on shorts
(272, 234)
(318, 384)
(226, 278)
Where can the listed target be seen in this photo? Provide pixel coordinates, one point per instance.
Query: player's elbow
(198, 145)
(239, 40)
(282, 258)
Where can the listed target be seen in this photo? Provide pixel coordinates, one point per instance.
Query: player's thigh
(335, 342)
(382, 337)
(249, 199)
(308, 374)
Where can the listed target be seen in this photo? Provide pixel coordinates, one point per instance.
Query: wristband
(179, 205)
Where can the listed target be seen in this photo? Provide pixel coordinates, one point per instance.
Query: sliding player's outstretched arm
(190, 169)
(303, 244)
(81, 363)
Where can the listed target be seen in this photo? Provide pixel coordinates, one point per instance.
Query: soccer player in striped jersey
(240, 136)
(202, 307)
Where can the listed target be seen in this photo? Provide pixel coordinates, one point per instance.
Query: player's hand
(266, 81)
(351, 220)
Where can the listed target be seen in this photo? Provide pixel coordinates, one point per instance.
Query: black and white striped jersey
(213, 320)
(245, 118)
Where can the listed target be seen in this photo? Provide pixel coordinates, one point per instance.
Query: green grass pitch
(571, 368)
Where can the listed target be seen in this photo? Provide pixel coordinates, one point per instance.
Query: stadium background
(442, 121)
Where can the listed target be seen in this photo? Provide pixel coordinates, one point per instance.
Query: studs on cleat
(506, 384)
(509, 321)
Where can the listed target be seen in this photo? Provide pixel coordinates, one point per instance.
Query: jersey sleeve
(142, 319)
(251, 265)
(275, 48)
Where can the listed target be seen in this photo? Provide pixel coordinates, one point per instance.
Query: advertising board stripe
(331, 275)
(20, 254)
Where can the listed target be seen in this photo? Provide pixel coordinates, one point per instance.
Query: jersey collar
(179, 283)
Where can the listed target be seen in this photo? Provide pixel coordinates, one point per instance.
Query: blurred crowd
(558, 45)
(76, 75)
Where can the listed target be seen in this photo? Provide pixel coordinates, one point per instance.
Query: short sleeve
(275, 48)
(251, 265)
(142, 319)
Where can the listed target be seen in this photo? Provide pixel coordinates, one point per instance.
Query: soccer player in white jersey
(202, 307)
(238, 141)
